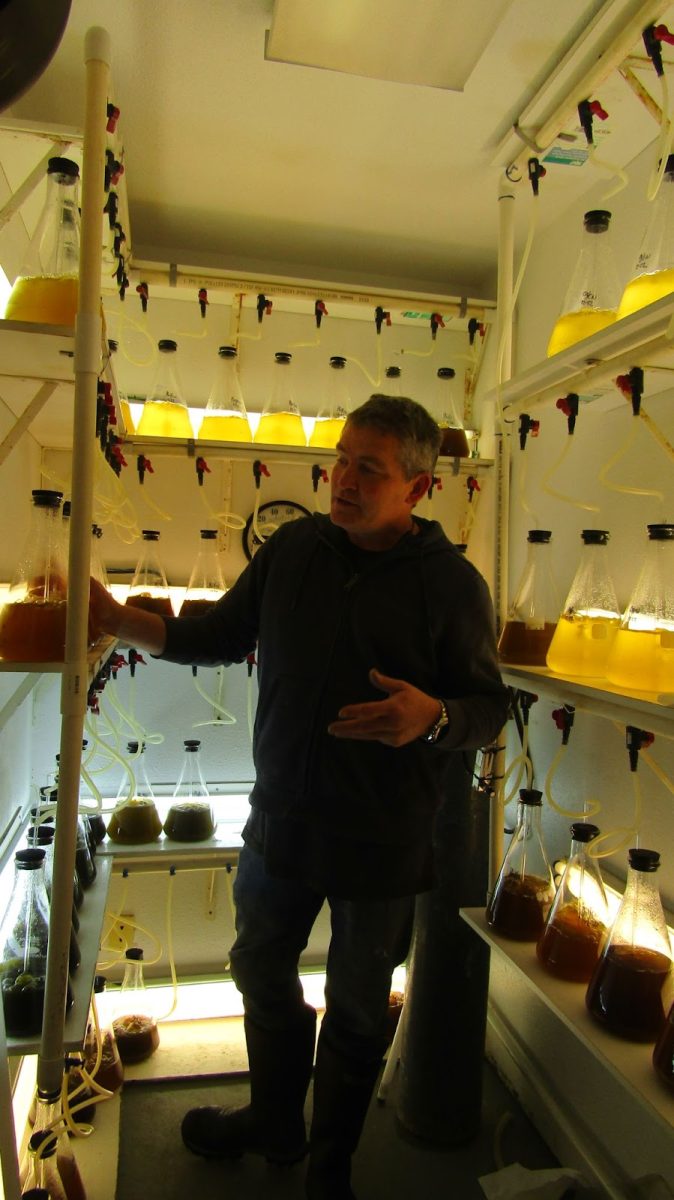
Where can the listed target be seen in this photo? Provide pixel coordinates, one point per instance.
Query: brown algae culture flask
(135, 820)
(33, 619)
(165, 413)
(533, 615)
(593, 295)
(46, 288)
(207, 582)
(225, 418)
(641, 657)
(577, 923)
(135, 1029)
(653, 274)
(149, 587)
(281, 422)
(454, 442)
(333, 412)
(525, 886)
(589, 621)
(626, 992)
(190, 817)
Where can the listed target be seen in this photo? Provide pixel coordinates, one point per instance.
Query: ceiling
(237, 162)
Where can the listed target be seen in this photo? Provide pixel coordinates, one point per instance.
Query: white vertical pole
(87, 362)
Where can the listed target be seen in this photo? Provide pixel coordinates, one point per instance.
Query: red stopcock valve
(587, 111)
(144, 293)
(528, 426)
(318, 475)
(143, 464)
(112, 113)
(653, 36)
(564, 718)
(472, 486)
(259, 469)
(569, 406)
(381, 316)
(436, 482)
(202, 468)
(264, 307)
(636, 740)
(474, 327)
(203, 300)
(536, 172)
(320, 311)
(436, 323)
(632, 387)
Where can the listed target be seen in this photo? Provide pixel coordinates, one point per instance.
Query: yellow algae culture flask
(46, 288)
(589, 622)
(164, 411)
(225, 418)
(642, 654)
(592, 299)
(653, 275)
(332, 415)
(281, 423)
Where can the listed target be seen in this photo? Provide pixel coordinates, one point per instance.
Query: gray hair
(417, 433)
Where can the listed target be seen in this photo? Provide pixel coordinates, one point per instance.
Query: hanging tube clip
(569, 406)
(536, 172)
(564, 718)
(318, 475)
(259, 469)
(380, 315)
(320, 311)
(472, 486)
(436, 323)
(263, 306)
(528, 426)
(144, 294)
(202, 468)
(636, 740)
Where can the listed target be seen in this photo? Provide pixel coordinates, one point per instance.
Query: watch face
(269, 517)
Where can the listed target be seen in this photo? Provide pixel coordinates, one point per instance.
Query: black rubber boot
(280, 1063)
(342, 1092)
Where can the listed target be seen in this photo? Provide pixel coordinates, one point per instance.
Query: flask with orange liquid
(33, 620)
(281, 422)
(571, 941)
(165, 412)
(225, 418)
(207, 582)
(589, 622)
(533, 615)
(46, 288)
(525, 887)
(149, 587)
(642, 654)
(591, 302)
(653, 275)
(332, 414)
(454, 441)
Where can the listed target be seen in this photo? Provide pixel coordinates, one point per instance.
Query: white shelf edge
(629, 1062)
(95, 660)
(599, 697)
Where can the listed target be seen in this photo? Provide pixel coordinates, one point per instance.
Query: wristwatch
(435, 731)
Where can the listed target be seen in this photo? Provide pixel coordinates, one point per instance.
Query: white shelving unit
(643, 709)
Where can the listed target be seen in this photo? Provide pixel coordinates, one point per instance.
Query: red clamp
(320, 311)
(202, 467)
(259, 469)
(112, 113)
(144, 294)
(569, 406)
(203, 300)
(472, 486)
(318, 475)
(564, 718)
(143, 464)
(436, 323)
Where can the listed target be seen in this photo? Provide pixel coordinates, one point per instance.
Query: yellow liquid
(125, 409)
(644, 290)
(225, 429)
(642, 660)
(581, 645)
(573, 327)
(281, 429)
(327, 432)
(164, 418)
(44, 299)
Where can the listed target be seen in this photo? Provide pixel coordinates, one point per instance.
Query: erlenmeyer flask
(454, 441)
(134, 819)
(100, 1045)
(663, 1051)
(134, 1027)
(33, 619)
(642, 654)
(653, 275)
(570, 943)
(280, 422)
(591, 302)
(625, 992)
(41, 1173)
(149, 588)
(393, 384)
(533, 615)
(124, 406)
(207, 583)
(589, 622)
(225, 418)
(525, 886)
(333, 413)
(190, 817)
(24, 934)
(46, 288)
(43, 837)
(49, 1123)
(165, 412)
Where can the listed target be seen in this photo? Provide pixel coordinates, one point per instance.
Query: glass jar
(589, 621)
(63, 1181)
(532, 617)
(46, 289)
(135, 1029)
(625, 992)
(33, 619)
(591, 302)
(570, 943)
(165, 413)
(207, 582)
(642, 654)
(100, 1050)
(525, 888)
(337, 405)
(190, 817)
(280, 422)
(149, 587)
(225, 418)
(24, 935)
(42, 1176)
(134, 820)
(43, 837)
(653, 274)
(454, 441)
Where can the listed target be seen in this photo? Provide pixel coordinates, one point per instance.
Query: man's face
(370, 497)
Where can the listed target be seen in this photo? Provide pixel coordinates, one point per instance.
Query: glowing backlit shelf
(95, 660)
(647, 710)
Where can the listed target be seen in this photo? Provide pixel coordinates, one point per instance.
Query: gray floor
(153, 1164)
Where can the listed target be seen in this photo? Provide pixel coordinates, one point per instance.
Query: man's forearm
(136, 627)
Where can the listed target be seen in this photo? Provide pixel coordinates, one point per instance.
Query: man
(376, 666)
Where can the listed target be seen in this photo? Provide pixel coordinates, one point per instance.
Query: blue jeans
(369, 938)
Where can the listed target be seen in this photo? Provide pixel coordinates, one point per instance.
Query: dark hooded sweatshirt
(319, 616)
